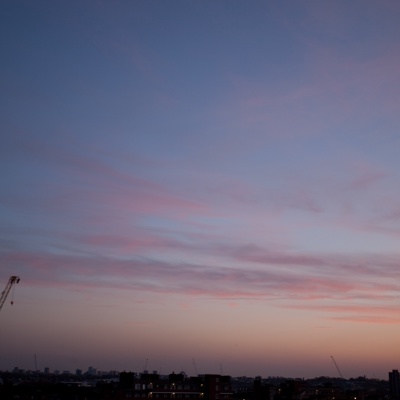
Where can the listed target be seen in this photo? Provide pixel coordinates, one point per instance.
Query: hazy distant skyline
(208, 180)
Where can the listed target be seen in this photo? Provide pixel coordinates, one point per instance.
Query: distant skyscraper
(394, 384)
(91, 371)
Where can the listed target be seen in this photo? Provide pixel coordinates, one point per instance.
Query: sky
(206, 186)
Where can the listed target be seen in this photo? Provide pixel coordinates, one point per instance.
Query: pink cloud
(338, 91)
(335, 282)
(367, 179)
(371, 314)
(129, 244)
(370, 319)
(92, 183)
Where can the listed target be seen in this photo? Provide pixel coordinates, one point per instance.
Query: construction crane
(13, 280)
(341, 376)
(337, 367)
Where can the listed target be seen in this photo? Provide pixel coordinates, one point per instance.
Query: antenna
(195, 368)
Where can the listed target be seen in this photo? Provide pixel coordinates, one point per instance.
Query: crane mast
(13, 280)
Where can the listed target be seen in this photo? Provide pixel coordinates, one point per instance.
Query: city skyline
(91, 371)
(201, 180)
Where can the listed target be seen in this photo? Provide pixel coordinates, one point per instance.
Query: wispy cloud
(344, 280)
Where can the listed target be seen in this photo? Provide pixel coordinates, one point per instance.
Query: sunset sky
(201, 185)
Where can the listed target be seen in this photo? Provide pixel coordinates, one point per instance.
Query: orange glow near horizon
(201, 181)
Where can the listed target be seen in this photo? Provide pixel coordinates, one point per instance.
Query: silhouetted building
(175, 386)
(394, 384)
(91, 371)
(127, 380)
(260, 391)
(217, 387)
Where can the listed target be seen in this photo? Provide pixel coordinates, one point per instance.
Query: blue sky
(208, 180)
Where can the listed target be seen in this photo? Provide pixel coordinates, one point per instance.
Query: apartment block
(176, 386)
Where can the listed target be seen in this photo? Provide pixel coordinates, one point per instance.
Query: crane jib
(13, 280)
